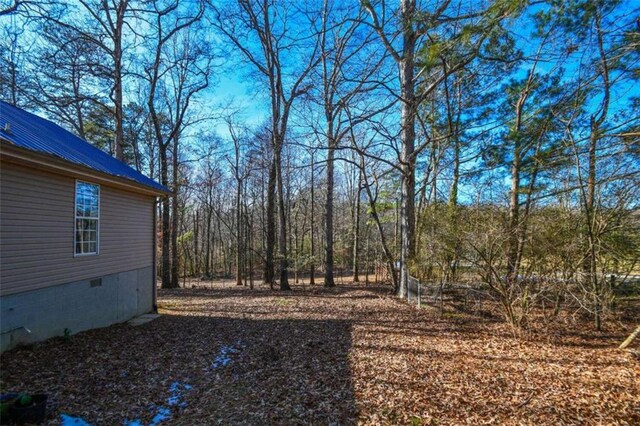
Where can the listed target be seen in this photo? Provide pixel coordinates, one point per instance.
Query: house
(77, 233)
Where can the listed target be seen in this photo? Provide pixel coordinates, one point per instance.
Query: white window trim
(76, 217)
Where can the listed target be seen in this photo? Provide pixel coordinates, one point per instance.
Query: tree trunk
(174, 219)
(514, 195)
(454, 128)
(514, 214)
(238, 233)
(207, 264)
(251, 246)
(117, 83)
(328, 280)
(376, 218)
(367, 263)
(630, 339)
(590, 261)
(408, 136)
(166, 222)
(356, 230)
(282, 223)
(312, 266)
(269, 266)
(196, 243)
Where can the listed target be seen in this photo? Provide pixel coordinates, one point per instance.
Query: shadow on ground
(237, 371)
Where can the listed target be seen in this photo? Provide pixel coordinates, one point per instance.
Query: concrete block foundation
(98, 302)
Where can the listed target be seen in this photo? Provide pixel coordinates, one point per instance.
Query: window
(87, 218)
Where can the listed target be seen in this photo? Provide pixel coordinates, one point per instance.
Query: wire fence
(468, 296)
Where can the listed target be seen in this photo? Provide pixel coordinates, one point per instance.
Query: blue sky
(237, 85)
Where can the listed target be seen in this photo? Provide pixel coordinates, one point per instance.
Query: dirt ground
(222, 354)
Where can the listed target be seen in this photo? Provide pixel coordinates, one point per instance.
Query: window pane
(78, 229)
(87, 200)
(87, 211)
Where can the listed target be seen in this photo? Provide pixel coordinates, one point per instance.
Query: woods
(491, 145)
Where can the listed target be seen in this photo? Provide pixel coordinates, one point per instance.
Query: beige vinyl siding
(37, 229)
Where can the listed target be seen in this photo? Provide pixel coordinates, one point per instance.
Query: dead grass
(350, 355)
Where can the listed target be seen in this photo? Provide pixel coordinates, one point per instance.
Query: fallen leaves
(344, 356)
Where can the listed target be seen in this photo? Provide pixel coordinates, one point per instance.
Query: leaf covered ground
(220, 354)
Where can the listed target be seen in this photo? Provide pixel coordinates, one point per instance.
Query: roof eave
(15, 154)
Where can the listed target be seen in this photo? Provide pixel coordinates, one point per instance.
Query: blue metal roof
(34, 133)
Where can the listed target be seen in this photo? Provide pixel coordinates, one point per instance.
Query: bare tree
(350, 70)
(240, 174)
(257, 28)
(178, 70)
(103, 25)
